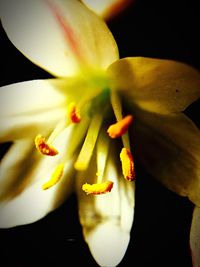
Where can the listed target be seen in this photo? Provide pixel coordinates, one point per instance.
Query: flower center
(97, 138)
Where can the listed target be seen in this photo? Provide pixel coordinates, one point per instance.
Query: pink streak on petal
(68, 31)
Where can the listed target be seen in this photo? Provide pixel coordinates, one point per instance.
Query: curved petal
(157, 85)
(28, 126)
(107, 8)
(30, 97)
(107, 219)
(168, 146)
(22, 198)
(195, 237)
(32, 107)
(58, 35)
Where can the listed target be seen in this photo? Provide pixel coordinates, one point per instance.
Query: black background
(160, 232)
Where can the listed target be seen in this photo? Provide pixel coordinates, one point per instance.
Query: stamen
(120, 128)
(44, 147)
(57, 130)
(98, 189)
(117, 108)
(89, 143)
(74, 113)
(127, 164)
(55, 177)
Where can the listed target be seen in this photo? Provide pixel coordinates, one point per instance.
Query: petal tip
(108, 244)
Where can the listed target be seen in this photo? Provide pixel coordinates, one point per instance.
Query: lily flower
(81, 130)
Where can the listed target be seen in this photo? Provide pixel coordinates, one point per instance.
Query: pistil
(120, 129)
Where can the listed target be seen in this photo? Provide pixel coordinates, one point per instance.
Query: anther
(44, 147)
(98, 189)
(127, 164)
(120, 127)
(73, 113)
(55, 177)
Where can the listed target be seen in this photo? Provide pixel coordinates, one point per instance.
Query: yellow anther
(43, 147)
(120, 127)
(74, 113)
(55, 177)
(98, 189)
(127, 164)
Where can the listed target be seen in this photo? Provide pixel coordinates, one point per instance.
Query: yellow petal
(29, 97)
(168, 147)
(58, 35)
(157, 85)
(195, 237)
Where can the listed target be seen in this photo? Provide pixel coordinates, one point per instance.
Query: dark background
(160, 232)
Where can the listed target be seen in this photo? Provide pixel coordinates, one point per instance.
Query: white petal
(108, 243)
(107, 219)
(29, 108)
(195, 237)
(28, 97)
(34, 203)
(36, 107)
(58, 35)
(25, 201)
(28, 126)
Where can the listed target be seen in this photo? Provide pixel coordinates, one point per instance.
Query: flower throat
(99, 110)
